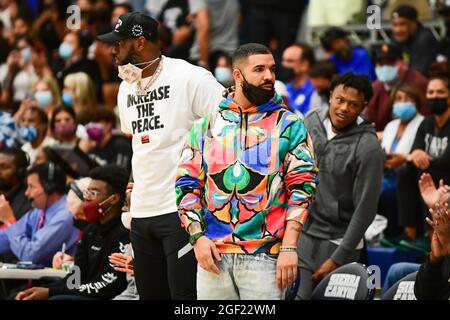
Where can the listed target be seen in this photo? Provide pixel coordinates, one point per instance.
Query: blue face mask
(43, 98)
(386, 73)
(26, 54)
(67, 99)
(404, 110)
(223, 75)
(65, 50)
(28, 134)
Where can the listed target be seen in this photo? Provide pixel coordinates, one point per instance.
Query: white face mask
(126, 220)
(131, 73)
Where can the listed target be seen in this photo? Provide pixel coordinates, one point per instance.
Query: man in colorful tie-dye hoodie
(245, 184)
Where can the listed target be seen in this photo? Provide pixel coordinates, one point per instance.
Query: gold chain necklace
(143, 91)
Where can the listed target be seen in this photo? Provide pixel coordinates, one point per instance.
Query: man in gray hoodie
(350, 162)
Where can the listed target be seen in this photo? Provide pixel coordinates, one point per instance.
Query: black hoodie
(98, 278)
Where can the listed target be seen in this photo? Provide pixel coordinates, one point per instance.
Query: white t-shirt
(159, 123)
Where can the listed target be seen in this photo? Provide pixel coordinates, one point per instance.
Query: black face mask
(80, 224)
(285, 74)
(437, 106)
(255, 94)
(344, 53)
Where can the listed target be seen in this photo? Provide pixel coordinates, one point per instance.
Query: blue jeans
(242, 277)
(396, 272)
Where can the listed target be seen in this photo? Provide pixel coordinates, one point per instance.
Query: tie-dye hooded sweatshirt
(244, 173)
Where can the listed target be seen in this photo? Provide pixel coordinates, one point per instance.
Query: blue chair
(402, 289)
(348, 282)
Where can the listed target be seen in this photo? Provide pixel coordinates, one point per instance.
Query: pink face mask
(65, 130)
(93, 210)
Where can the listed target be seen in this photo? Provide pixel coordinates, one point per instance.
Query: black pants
(159, 273)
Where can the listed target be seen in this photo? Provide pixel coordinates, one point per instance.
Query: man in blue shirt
(298, 59)
(40, 233)
(346, 57)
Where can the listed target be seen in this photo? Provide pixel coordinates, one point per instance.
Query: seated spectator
(36, 121)
(297, 60)
(18, 74)
(78, 93)
(13, 169)
(322, 74)
(416, 41)
(103, 236)
(430, 153)
(47, 95)
(391, 72)
(223, 70)
(108, 146)
(350, 162)
(432, 279)
(73, 52)
(63, 127)
(42, 230)
(346, 57)
(398, 138)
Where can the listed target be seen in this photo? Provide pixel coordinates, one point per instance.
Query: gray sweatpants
(312, 252)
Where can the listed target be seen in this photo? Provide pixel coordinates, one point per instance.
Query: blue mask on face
(67, 99)
(43, 98)
(404, 110)
(26, 54)
(223, 75)
(65, 50)
(386, 73)
(28, 134)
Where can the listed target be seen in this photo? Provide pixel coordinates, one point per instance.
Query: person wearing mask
(13, 168)
(43, 229)
(18, 74)
(157, 129)
(346, 57)
(391, 72)
(417, 42)
(223, 70)
(398, 138)
(322, 74)
(297, 60)
(350, 163)
(33, 128)
(47, 95)
(63, 127)
(73, 53)
(243, 224)
(104, 235)
(430, 153)
(107, 146)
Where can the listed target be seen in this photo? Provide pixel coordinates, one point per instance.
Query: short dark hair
(43, 119)
(330, 35)
(105, 115)
(441, 77)
(307, 52)
(114, 176)
(50, 174)
(323, 69)
(359, 82)
(20, 157)
(247, 50)
(58, 111)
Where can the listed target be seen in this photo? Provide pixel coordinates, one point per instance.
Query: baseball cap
(132, 25)
(405, 11)
(389, 52)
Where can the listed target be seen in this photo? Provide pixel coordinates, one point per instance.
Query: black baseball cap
(132, 25)
(405, 11)
(388, 52)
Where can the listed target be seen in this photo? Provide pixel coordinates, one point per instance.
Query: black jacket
(98, 278)
(433, 280)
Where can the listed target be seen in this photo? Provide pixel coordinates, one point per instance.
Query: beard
(132, 57)
(5, 186)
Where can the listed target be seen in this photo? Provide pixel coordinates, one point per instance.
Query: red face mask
(93, 210)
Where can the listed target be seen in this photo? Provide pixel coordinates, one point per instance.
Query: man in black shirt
(104, 236)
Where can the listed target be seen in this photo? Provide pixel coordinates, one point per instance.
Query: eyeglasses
(91, 193)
